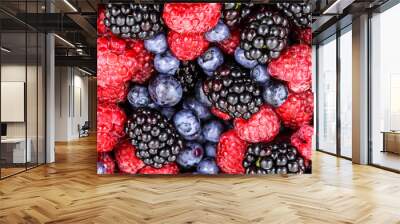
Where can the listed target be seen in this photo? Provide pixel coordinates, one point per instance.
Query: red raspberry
(294, 67)
(229, 45)
(113, 93)
(110, 126)
(191, 17)
(139, 61)
(262, 126)
(170, 168)
(230, 153)
(125, 154)
(304, 35)
(297, 110)
(101, 28)
(106, 162)
(187, 47)
(220, 114)
(302, 140)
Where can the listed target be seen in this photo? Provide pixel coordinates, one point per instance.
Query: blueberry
(207, 166)
(157, 44)
(211, 149)
(260, 74)
(275, 93)
(198, 136)
(168, 112)
(212, 130)
(200, 96)
(241, 59)
(200, 109)
(191, 155)
(211, 59)
(138, 96)
(165, 90)
(187, 123)
(101, 169)
(166, 63)
(219, 33)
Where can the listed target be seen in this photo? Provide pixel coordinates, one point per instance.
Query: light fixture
(64, 40)
(5, 50)
(84, 71)
(326, 11)
(70, 5)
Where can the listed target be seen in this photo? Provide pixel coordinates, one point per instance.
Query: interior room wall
(71, 102)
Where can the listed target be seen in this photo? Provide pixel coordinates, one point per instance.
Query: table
(391, 141)
(16, 147)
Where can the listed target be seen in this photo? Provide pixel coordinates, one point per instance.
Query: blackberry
(137, 21)
(188, 74)
(232, 91)
(299, 13)
(234, 13)
(273, 158)
(156, 140)
(265, 36)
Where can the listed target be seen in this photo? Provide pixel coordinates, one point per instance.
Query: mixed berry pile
(204, 88)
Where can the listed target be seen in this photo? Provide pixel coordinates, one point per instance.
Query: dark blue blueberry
(260, 74)
(187, 123)
(212, 130)
(211, 59)
(241, 59)
(101, 169)
(191, 155)
(165, 90)
(200, 96)
(211, 149)
(166, 63)
(207, 166)
(275, 93)
(219, 33)
(157, 44)
(200, 109)
(138, 96)
(168, 112)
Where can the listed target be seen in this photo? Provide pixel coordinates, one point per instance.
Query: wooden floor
(69, 191)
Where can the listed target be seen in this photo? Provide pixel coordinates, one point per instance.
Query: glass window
(346, 93)
(385, 84)
(327, 96)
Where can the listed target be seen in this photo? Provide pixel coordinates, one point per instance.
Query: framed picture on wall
(204, 88)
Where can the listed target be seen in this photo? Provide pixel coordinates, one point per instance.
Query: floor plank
(69, 191)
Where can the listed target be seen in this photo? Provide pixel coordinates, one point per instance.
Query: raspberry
(170, 168)
(262, 126)
(125, 154)
(302, 140)
(297, 110)
(230, 153)
(139, 61)
(112, 93)
(294, 67)
(220, 114)
(229, 45)
(191, 17)
(304, 35)
(101, 28)
(105, 164)
(187, 47)
(110, 126)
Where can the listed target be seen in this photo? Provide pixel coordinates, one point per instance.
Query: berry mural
(204, 88)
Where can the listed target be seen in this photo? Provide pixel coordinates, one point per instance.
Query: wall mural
(204, 88)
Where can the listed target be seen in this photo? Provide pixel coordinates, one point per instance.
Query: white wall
(71, 102)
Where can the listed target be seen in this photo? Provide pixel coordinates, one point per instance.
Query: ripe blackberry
(274, 158)
(156, 140)
(265, 36)
(232, 91)
(234, 13)
(188, 74)
(137, 21)
(299, 13)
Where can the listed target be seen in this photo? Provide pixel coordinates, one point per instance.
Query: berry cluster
(204, 88)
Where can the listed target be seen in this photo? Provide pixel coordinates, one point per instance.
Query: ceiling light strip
(70, 5)
(64, 40)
